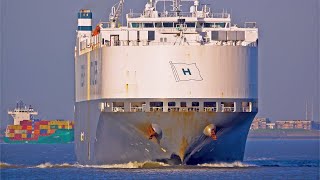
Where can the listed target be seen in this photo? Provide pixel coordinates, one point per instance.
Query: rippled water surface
(264, 159)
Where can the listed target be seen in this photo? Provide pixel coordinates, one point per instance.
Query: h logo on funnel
(185, 72)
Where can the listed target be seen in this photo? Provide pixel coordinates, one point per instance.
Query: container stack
(24, 131)
(31, 130)
(61, 124)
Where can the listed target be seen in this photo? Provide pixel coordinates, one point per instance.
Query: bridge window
(191, 25)
(209, 25)
(135, 25)
(158, 25)
(220, 25)
(168, 24)
(199, 25)
(148, 25)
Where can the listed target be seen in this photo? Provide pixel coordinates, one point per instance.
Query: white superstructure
(151, 56)
(22, 112)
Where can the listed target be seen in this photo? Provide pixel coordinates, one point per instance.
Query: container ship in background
(26, 129)
(169, 86)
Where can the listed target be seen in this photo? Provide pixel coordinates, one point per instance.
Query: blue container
(43, 131)
(29, 136)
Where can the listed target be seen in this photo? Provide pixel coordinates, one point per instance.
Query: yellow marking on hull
(88, 76)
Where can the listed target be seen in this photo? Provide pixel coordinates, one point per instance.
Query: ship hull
(60, 136)
(121, 137)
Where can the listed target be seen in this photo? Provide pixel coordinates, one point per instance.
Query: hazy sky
(38, 37)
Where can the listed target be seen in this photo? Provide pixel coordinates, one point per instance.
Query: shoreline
(290, 134)
(285, 138)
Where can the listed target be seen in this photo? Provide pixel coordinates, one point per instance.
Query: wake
(130, 165)
(227, 165)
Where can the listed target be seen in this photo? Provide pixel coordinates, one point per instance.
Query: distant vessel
(26, 129)
(170, 86)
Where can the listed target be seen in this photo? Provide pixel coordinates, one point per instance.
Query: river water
(264, 159)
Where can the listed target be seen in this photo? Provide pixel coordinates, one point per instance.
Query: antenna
(176, 5)
(306, 110)
(312, 111)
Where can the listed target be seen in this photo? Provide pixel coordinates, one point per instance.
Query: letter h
(186, 71)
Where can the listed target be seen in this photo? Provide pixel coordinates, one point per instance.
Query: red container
(11, 130)
(29, 132)
(36, 136)
(17, 136)
(26, 123)
(24, 127)
(44, 122)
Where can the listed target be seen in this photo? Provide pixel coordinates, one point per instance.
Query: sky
(38, 38)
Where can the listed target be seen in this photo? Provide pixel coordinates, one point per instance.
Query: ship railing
(246, 109)
(250, 25)
(219, 15)
(156, 109)
(176, 30)
(118, 109)
(253, 44)
(178, 14)
(105, 25)
(173, 109)
(134, 15)
(178, 42)
(148, 43)
(183, 109)
(210, 109)
(228, 109)
(116, 43)
(136, 109)
(166, 43)
(160, 15)
(161, 43)
(193, 109)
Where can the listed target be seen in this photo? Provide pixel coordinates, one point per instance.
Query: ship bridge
(200, 26)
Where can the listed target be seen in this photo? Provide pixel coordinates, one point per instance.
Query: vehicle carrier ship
(26, 129)
(170, 86)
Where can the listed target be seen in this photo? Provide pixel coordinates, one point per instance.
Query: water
(264, 159)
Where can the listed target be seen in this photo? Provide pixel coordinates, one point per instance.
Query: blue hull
(115, 138)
